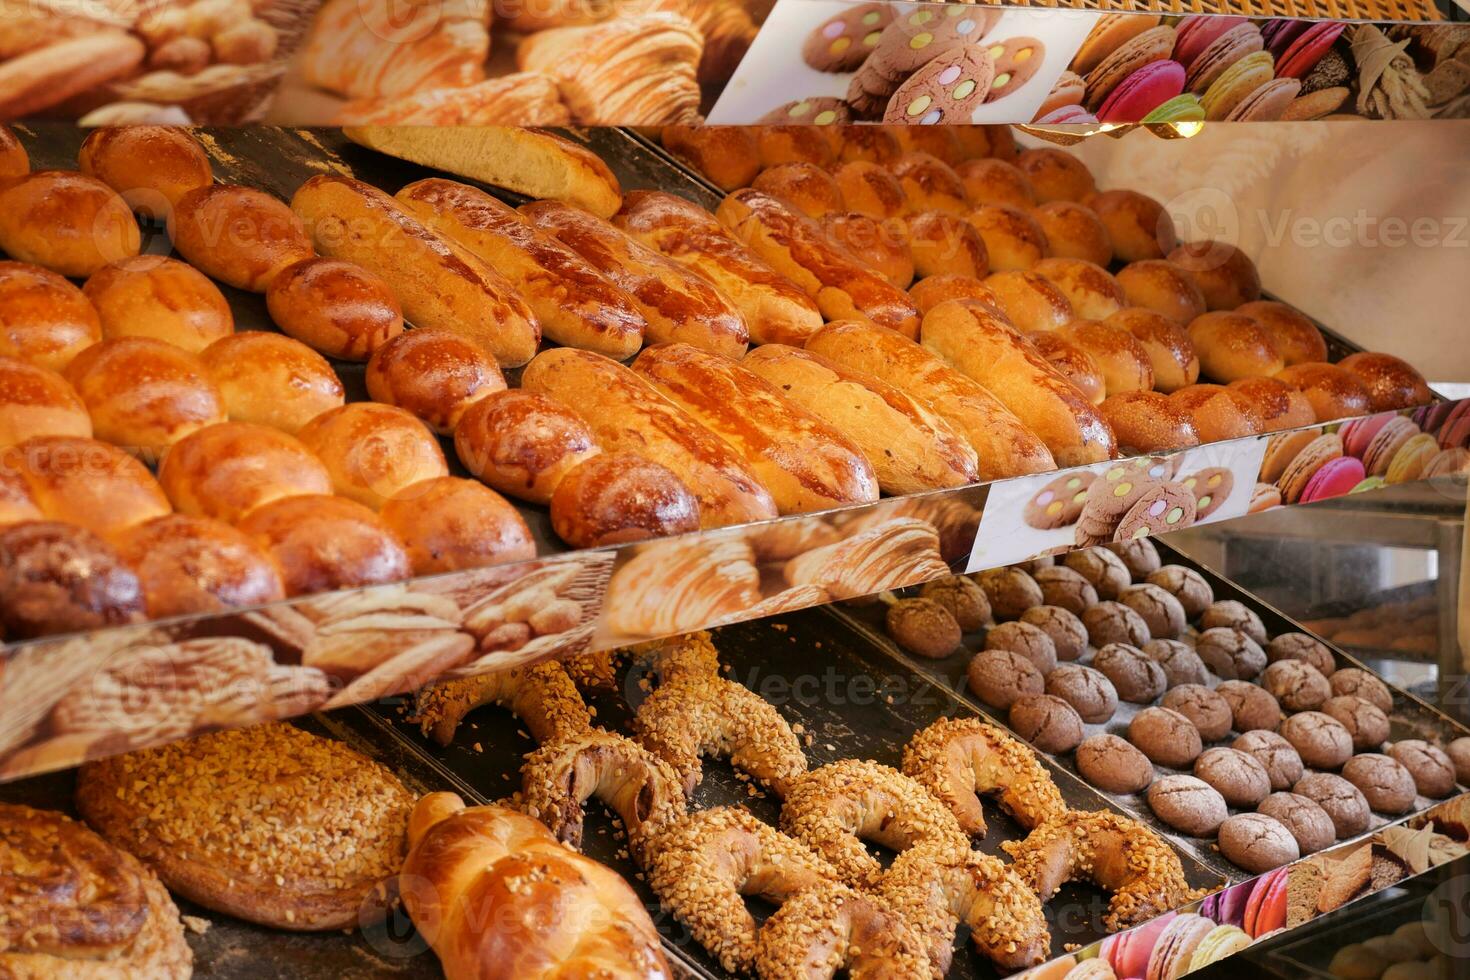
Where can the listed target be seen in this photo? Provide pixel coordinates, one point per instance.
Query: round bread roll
(869, 188)
(1216, 413)
(17, 504)
(44, 320)
(1138, 226)
(14, 161)
(228, 470)
(66, 222)
(57, 578)
(1226, 275)
(150, 166)
(1233, 346)
(1092, 291)
(984, 141)
(1170, 352)
(373, 452)
(1076, 365)
(1295, 337)
(1161, 286)
(1030, 302)
(930, 184)
(522, 443)
(434, 374)
(190, 565)
(448, 524)
(1074, 232)
(238, 235)
(614, 498)
(992, 181)
(38, 402)
(325, 543)
(929, 292)
(873, 144)
(878, 243)
(1056, 175)
(805, 186)
(161, 298)
(1273, 403)
(269, 379)
(335, 307)
(1148, 422)
(1013, 239)
(942, 243)
(727, 155)
(1123, 361)
(87, 482)
(776, 145)
(1392, 383)
(1335, 393)
(143, 394)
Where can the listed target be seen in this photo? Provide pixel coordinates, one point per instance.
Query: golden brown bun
(272, 380)
(937, 141)
(875, 144)
(66, 222)
(727, 155)
(614, 498)
(1233, 346)
(1074, 232)
(1003, 143)
(190, 565)
(38, 402)
(1148, 422)
(1123, 361)
(930, 184)
(776, 145)
(945, 243)
(878, 243)
(1170, 352)
(1334, 392)
(1273, 403)
(930, 292)
(1391, 382)
(326, 543)
(14, 161)
(522, 443)
(805, 186)
(993, 181)
(58, 578)
(1075, 364)
(1216, 413)
(434, 374)
(1030, 301)
(335, 307)
(228, 470)
(1161, 286)
(1295, 337)
(150, 166)
(160, 298)
(1013, 239)
(17, 504)
(448, 524)
(44, 320)
(1056, 175)
(86, 482)
(1138, 226)
(1226, 276)
(373, 452)
(974, 141)
(143, 394)
(1092, 291)
(871, 189)
(238, 235)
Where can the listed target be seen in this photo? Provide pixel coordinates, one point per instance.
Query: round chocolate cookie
(843, 42)
(1113, 765)
(1344, 802)
(999, 677)
(1166, 507)
(923, 627)
(1140, 557)
(1362, 718)
(1062, 586)
(815, 111)
(1059, 502)
(1135, 675)
(1029, 641)
(1360, 683)
(1231, 654)
(1257, 843)
(1308, 822)
(1186, 585)
(1459, 754)
(1235, 615)
(1160, 611)
(1238, 776)
(1047, 722)
(947, 90)
(1283, 764)
(1067, 633)
(1111, 495)
(1113, 622)
(1010, 591)
(1320, 739)
(1300, 646)
(1209, 712)
(1252, 707)
(1189, 805)
(1166, 737)
(1181, 664)
(1433, 772)
(1211, 487)
(964, 599)
(1105, 570)
(914, 38)
(1384, 782)
(1037, 564)
(1016, 60)
(1085, 689)
(1296, 685)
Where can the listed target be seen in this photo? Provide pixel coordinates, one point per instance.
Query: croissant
(367, 49)
(899, 552)
(677, 586)
(522, 99)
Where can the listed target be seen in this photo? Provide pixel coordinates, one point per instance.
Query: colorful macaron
(1198, 32)
(1307, 49)
(1386, 443)
(1265, 912)
(1357, 434)
(1108, 34)
(1281, 449)
(1335, 479)
(1184, 107)
(1068, 89)
(1227, 906)
(1176, 945)
(1219, 943)
(1455, 429)
(1280, 34)
(1409, 462)
(1224, 51)
(1267, 103)
(1128, 953)
(1143, 91)
(1263, 497)
(1313, 456)
(1235, 84)
(1371, 483)
(1072, 115)
(1448, 463)
(1154, 44)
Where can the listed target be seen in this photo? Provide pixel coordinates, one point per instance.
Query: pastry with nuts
(960, 759)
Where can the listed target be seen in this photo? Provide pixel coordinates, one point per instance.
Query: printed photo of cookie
(1210, 487)
(946, 90)
(844, 42)
(1166, 507)
(910, 43)
(1016, 60)
(821, 111)
(1059, 503)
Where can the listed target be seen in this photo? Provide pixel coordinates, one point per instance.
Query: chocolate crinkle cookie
(1186, 585)
(999, 677)
(1105, 570)
(1140, 557)
(1236, 615)
(1363, 719)
(1343, 802)
(1047, 722)
(1181, 664)
(1160, 611)
(1296, 685)
(1029, 641)
(1300, 646)
(1360, 683)
(1459, 755)
(1433, 772)
(1252, 707)
(1308, 822)
(923, 627)
(1166, 737)
(1384, 782)
(1236, 775)
(1187, 804)
(1320, 739)
(1062, 586)
(1136, 677)
(1067, 633)
(1010, 591)
(1086, 689)
(1231, 654)
(1257, 843)
(1113, 622)
(1209, 711)
(1283, 763)
(964, 599)
(1113, 765)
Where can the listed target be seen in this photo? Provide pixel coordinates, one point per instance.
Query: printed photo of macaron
(1312, 457)
(1176, 945)
(1412, 457)
(1235, 84)
(1306, 48)
(1154, 44)
(1184, 107)
(1336, 478)
(1066, 92)
(1108, 34)
(1220, 943)
(1223, 51)
(1142, 92)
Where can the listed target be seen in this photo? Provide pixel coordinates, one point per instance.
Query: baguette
(1002, 442)
(776, 310)
(576, 305)
(438, 283)
(677, 304)
(795, 246)
(909, 448)
(626, 414)
(805, 463)
(977, 343)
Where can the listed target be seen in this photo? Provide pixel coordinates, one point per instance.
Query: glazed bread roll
(58, 578)
(161, 299)
(238, 235)
(1161, 286)
(871, 189)
(937, 141)
(1392, 383)
(522, 443)
(325, 543)
(1217, 414)
(1170, 351)
(1295, 337)
(1073, 231)
(143, 394)
(929, 292)
(872, 144)
(1273, 403)
(776, 145)
(878, 243)
(804, 462)
(150, 166)
(14, 161)
(17, 506)
(373, 452)
(1123, 361)
(447, 524)
(930, 184)
(616, 498)
(804, 186)
(1226, 276)
(1003, 445)
(1074, 363)
(434, 374)
(1335, 392)
(985, 141)
(795, 246)
(677, 304)
(44, 320)
(989, 351)
(38, 402)
(228, 470)
(727, 155)
(1030, 302)
(575, 304)
(1148, 422)
(1056, 175)
(775, 309)
(625, 413)
(991, 181)
(1233, 346)
(1091, 289)
(1013, 239)
(67, 222)
(192, 565)
(943, 243)
(1138, 226)
(87, 483)
(269, 379)
(908, 447)
(438, 283)
(334, 307)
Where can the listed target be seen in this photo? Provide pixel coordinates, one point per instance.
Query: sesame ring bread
(542, 695)
(830, 929)
(270, 824)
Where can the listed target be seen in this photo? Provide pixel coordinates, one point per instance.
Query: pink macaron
(1358, 434)
(1068, 114)
(1196, 32)
(1142, 92)
(1266, 910)
(1333, 479)
(1279, 34)
(1129, 952)
(1308, 49)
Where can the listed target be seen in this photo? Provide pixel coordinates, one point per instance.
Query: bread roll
(930, 184)
(150, 166)
(1335, 392)
(616, 498)
(1123, 361)
(983, 141)
(1169, 349)
(56, 578)
(86, 482)
(1074, 363)
(324, 543)
(334, 307)
(992, 181)
(1295, 337)
(373, 452)
(727, 155)
(38, 402)
(776, 145)
(162, 299)
(228, 470)
(143, 394)
(269, 379)
(930, 292)
(1231, 346)
(14, 161)
(434, 374)
(872, 144)
(1138, 226)
(1056, 175)
(67, 222)
(943, 243)
(937, 141)
(193, 565)
(1217, 414)
(1013, 239)
(447, 524)
(1148, 422)
(238, 235)
(878, 243)
(1392, 383)
(1030, 302)
(804, 186)
(1226, 276)
(989, 351)
(1073, 231)
(1272, 403)
(1161, 286)
(908, 447)
(522, 443)
(1092, 291)
(871, 189)
(44, 320)
(17, 505)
